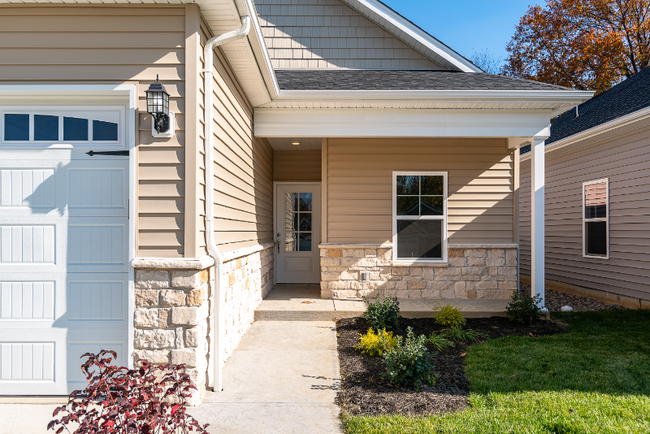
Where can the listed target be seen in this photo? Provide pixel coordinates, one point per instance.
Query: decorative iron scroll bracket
(122, 153)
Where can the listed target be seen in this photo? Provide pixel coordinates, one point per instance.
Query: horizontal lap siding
(243, 166)
(625, 160)
(297, 166)
(359, 186)
(114, 44)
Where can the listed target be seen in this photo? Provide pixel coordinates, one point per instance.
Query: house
(597, 202)
(346, 148)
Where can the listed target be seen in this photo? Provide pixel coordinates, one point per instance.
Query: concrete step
(303, 303)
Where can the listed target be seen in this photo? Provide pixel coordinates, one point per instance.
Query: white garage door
(63, 264)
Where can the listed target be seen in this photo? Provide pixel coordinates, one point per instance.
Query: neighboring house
(347, 148)
(597, 199)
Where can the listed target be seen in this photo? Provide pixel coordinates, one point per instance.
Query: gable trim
(411, 34)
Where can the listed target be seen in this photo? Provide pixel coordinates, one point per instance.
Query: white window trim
(68, 110)
(445, 176)
(585, 220)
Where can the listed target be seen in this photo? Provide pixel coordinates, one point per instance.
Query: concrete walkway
(303, 303)
(282, 378)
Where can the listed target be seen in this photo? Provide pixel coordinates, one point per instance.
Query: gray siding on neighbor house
(330, 34)
(623, 157)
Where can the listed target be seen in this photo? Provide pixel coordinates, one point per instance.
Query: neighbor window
(420, 216)
(595, 199)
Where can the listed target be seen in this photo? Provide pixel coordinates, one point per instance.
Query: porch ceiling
(286, 143)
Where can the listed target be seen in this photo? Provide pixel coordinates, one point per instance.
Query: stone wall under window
(476, 271)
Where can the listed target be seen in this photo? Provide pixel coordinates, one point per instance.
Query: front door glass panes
(298, 222)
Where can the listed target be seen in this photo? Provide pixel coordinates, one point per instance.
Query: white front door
(297, 223)
(63, 266)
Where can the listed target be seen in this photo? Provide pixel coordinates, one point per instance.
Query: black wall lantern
(158, 107)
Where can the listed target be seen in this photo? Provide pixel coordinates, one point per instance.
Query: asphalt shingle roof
(402, 80)
(626, 97)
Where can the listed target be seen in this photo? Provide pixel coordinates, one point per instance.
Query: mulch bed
(365, 392)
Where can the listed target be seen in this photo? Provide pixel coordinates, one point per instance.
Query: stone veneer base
(472, 272)
(174, 308)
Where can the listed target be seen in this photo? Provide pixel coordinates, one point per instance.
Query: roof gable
(328, 34)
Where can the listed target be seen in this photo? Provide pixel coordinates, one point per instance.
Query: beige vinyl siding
(330, 34)
(114, 44)
(297, 166)
(359, 187)
(625, 160)
(243, 196)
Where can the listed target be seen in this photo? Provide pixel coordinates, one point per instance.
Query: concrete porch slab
(303, 303)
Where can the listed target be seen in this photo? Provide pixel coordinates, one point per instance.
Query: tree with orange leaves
(582, 44)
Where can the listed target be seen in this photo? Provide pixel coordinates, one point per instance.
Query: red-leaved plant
(147, 400)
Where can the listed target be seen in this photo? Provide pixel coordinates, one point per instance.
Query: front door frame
(315, 243)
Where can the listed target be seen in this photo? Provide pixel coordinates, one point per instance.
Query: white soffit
(411, 34)
(286, 143)
(400, 123)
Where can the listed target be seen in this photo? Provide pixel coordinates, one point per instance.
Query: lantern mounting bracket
(162, 121)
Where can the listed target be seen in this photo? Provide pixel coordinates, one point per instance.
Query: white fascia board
(400, 123)
(560, 97)
(594, 131)
(419, 35)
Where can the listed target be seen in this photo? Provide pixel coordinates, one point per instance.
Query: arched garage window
(46, 126)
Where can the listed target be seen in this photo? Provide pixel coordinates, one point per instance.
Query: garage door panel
(76, 378)
(27, 300)
(97, 191)
(27, 187)
(90, 244)
(27, 361)
(27, 244)
(95, 300)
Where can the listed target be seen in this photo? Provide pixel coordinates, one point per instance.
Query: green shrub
(374, 344)
(439, 343)
(449, 316)
(408, 364)
(382, 314)
(458, 334)
(524, 308)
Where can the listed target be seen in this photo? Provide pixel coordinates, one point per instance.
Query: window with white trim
(595, 229)
(420, 216)
(47, 126)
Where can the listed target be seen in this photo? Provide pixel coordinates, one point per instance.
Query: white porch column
(537, 217)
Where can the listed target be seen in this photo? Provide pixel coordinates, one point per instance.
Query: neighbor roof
(402, 80)
(626, 97)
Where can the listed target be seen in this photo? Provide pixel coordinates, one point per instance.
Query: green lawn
(593, 379)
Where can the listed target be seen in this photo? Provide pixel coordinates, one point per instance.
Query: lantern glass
(157, 99)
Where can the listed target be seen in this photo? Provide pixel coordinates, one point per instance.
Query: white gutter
(213, 250)
(636, 116)
(565, 99)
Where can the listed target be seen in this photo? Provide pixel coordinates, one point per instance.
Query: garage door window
(40, 127)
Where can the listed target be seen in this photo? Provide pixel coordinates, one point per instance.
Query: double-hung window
(595, 228)
(420, 216)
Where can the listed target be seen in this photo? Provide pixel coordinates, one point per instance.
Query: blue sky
(467, 26)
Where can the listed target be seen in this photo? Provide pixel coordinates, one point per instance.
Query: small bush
(449, 316)
(382, 314)
(409, 364)
(439, 343)
(524, 308)
(148, 400)
(374, 344)
(458, 334)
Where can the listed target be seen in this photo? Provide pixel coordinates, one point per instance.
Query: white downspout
(213, 250)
